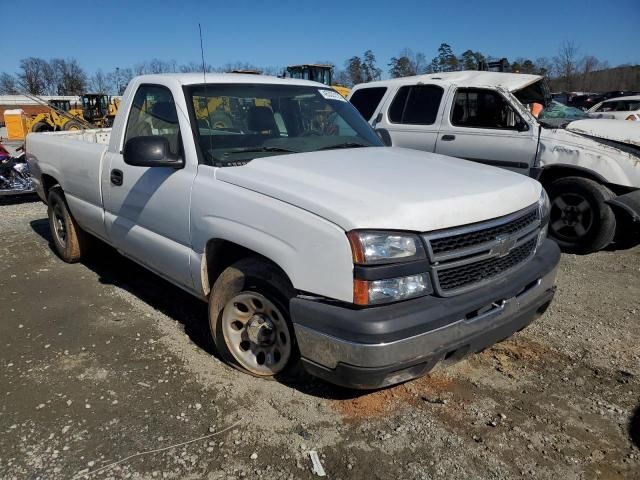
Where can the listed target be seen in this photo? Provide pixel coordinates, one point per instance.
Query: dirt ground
(102, 362)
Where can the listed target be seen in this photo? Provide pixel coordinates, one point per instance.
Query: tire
(249, 320)
(69, 240)
(581, 220)
(42, 127)
(72, 125)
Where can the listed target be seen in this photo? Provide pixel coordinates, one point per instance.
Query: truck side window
(416, 105)
(478, 108)
(153, 112)
(366, 100)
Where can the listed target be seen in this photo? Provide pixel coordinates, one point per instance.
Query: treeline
(568, 70)
(38, 76)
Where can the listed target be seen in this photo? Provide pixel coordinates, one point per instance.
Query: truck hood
(387, 188)
(596, 147)
(622, 131)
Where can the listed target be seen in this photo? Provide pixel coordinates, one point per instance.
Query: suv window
(479, 108)
(416, 105)
(366, 100)
(153, 112)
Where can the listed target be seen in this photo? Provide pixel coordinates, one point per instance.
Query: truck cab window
(153, 112)
(477, 108)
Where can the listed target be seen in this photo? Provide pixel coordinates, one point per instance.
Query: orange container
(16, 123)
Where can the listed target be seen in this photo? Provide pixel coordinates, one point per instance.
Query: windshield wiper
(343, 145)
(259, 149)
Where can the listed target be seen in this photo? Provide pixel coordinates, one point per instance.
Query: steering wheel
(311, 133)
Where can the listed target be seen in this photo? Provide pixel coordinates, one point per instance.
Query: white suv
(591, 172)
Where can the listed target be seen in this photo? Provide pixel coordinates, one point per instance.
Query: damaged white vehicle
(590, 168)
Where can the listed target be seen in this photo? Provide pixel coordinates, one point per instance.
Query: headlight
(384, 247)
(544, 209)
(390, 289)
(399, 256)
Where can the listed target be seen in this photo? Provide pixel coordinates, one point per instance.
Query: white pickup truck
(591, 168)
(313, 243)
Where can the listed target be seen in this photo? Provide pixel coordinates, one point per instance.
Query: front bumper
(380, 346)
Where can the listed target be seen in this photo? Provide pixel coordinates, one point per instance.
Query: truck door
(147, 208)
(481, 125)
(412, 117)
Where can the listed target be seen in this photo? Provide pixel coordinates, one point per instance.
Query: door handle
(116, 177)
(448, 138)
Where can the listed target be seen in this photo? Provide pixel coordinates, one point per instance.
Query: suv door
(412, 116)
(484, 127)
(147, 208)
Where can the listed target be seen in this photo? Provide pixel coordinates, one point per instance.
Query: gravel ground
(102, 361)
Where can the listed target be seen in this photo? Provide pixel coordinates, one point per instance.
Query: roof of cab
(465, 78)
(198, 78)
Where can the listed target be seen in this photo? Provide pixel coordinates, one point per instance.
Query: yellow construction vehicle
(61, 116)
(316, 72)
(99, 109)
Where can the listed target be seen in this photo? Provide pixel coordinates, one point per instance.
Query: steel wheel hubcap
(59, 225)
(571, 216)
(256, 333)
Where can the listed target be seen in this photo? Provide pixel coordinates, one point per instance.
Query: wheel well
(47, 182)
(553, 173)
(220, 254)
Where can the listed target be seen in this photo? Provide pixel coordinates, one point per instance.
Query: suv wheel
(581, 220)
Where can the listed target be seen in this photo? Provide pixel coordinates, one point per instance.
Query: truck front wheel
(249, 318)
(581, 220)
(69, 240)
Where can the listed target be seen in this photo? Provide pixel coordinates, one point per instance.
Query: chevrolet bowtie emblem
(504, 244)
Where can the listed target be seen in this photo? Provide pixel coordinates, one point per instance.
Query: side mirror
(385, 136)
(150, 151)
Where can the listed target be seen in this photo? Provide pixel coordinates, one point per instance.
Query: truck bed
(75, 161)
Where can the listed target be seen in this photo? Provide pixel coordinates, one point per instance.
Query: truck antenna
(204, 69)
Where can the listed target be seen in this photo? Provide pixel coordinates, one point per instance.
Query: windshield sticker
(331, 95)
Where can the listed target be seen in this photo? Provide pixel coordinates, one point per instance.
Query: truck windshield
(240, 122)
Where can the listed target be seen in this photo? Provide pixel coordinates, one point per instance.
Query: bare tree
(160, 66)
(566, 63)
(544, 66)
(120, 78)
(32, 75)
(8, 84)
(101, 83)
(195, 67)
(72, 79)
(273, 70)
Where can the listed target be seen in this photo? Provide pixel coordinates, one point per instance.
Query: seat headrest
(260, 119)
(165, 112)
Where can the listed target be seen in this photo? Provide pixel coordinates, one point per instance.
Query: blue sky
(106, 34)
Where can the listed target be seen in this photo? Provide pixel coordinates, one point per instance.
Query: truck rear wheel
(581, 220)
(69, 239)
(249, 319)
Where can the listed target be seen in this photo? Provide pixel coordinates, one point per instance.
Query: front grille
(465, 258)
(477, 237)
(455, 278)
